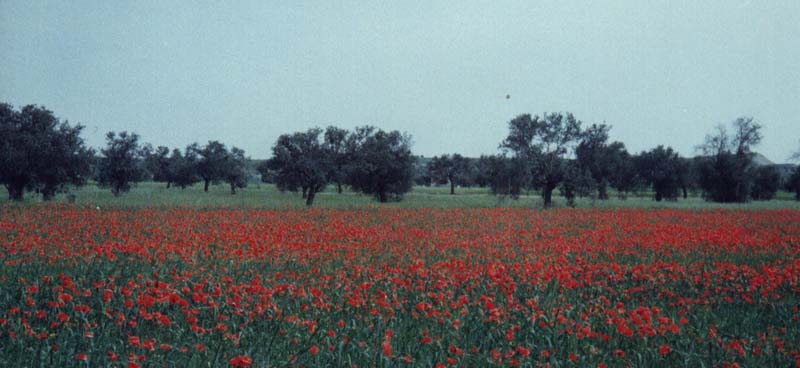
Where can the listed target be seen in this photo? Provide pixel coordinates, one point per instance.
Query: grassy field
(267, 196)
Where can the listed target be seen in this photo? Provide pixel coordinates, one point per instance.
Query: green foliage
(599, 158)
(765, 183)
(541, 143)
(659, 168)
(212, 161)
(505, 176)
(182, 169)
(793, 184)
(623, 176)
(578, 181)
(156, 162)
(39, 152)
(121, 162)
(300, 161)
(450, 169)
(381, 163)
(336, 146)
(235, 173)
(726, 175)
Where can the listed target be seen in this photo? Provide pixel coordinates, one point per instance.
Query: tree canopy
(382, 164)
(542, 143)
(450, 169)
(121, 163)
(211, 161)
(300, 161)
(40, 153)
(658, 168)
(726, 173)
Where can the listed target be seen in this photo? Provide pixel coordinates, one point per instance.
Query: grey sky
(245, 72)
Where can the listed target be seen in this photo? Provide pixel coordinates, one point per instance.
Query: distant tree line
(124, 161)
(554, 152)
(41, 154)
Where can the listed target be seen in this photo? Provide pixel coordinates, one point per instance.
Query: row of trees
(124, 161)
(368, 160)
(39, 153)
(556, 151)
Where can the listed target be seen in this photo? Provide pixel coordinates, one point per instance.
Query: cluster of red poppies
(380, 287)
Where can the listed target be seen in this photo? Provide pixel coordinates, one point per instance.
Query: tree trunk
(382, 197)
(310, 197)
(452, 187)
(602, 193)
(659, 197)
(169, 184)
(339, 188)
(305, 192)
(233, 188)
(48, 195)
(547, 195)
(15, 192)
(205, 187)
(685, 194)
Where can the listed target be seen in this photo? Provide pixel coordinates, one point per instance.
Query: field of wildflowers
(398, 287)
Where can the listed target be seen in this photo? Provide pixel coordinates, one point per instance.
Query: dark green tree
(40, 153)
(658, 169)
(300, 161)
(121, 162)
(182, 169)
(578, 182)
(543, 143)
(211, 161)
(156, 162)
(422, 176)
(766, 182)
(453, 169)
(236, 169)
(381, 163)
(623, 175)
(599, 158)
(336, 145)
(726, 172)
(793, 183)
(505, 176)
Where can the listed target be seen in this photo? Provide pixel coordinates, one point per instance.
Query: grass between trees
(150, 194)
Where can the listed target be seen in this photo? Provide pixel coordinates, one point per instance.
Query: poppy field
(389, 287)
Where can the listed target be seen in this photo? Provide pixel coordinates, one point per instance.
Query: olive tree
(39, 152)
(727, 171)
(121, 163)
(300, 162)
(381, 163)
(543, 143)
(450, 169)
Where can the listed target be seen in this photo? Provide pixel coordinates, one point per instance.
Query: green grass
(267, 196)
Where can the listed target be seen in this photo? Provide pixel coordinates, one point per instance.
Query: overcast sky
(660, 72)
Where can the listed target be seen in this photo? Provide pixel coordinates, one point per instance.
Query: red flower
(313, 350)
(241, 361)
(387, 349)
(134, 341)
(573, 358)
(664, 350)
(81, 357)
